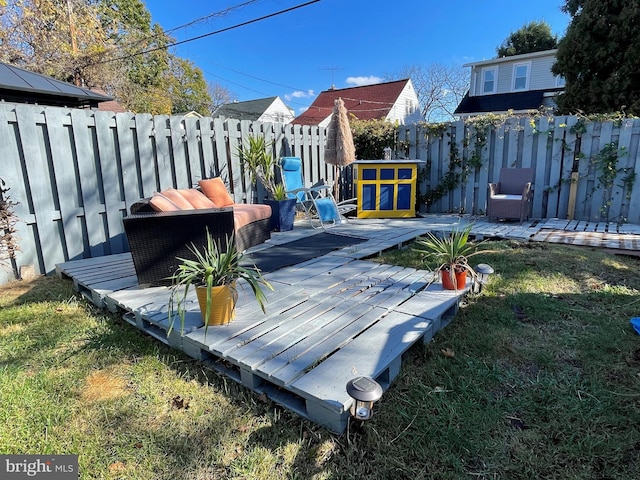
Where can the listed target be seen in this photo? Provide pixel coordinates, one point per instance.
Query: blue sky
(297, 54)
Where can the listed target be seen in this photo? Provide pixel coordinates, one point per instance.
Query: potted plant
(213, 273)
(450, 256)
(283, 209)
(260, 164)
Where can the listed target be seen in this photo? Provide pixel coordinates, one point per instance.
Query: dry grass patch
(104, 385)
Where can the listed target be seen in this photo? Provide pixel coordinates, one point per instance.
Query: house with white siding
(393, 101)
(270, 109)
(518, 83)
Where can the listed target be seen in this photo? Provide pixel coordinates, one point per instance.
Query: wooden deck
(329, 319)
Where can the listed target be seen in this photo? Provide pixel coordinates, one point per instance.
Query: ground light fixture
(365, 392)
(483, 272)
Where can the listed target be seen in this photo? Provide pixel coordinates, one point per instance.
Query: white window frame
(560, 81)
(495, 80)
(527, 77)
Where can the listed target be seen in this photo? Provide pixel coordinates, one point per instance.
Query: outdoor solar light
(483, 272)
(365, 392)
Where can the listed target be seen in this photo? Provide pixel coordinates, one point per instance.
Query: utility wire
(221, 13)
(164, 33)
(199, 37)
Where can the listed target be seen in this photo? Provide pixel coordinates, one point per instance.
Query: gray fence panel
(39, 176)
(67, 186)
(633, 213)
(12, 173)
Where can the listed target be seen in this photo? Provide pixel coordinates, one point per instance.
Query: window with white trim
(521, 76)
(489, 80)
(560, 82)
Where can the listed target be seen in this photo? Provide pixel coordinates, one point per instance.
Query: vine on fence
(478, 130)
(605, 162)
(607, 171)
(8, 239)
(460, 167)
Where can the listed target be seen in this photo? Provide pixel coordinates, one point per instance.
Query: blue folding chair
(317, 202)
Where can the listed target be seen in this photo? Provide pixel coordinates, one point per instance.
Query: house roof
(21, 86)
(247, 110)
(513, 58)
(366, 103)
(530, 100)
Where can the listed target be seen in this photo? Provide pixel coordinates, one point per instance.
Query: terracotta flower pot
(460, 278)
(223, 304)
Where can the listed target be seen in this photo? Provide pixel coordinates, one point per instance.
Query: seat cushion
(196, 198)
(244, 214)
(216, 191)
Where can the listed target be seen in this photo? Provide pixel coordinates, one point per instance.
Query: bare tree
(219, 95)
(439, 87)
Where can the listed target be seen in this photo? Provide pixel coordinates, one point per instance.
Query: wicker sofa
(156, 238)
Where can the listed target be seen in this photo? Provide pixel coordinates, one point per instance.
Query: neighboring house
(519, 83)
(21, 86)
(190, 114)
(394, 101)
(270, 109)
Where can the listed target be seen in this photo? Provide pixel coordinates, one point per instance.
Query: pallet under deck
(328, 320)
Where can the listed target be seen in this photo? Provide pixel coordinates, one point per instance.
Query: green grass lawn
(539, 377)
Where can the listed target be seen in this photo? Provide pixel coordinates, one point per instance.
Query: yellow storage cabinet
(386, 188)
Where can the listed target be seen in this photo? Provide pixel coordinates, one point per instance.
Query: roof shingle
(366, 103)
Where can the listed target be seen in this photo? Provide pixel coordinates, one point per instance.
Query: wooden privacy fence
(75, 173)
(583, 170)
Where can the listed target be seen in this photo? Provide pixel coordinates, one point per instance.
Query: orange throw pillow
(174, 195)
(216, 191)
(160, 203)
(196, 198)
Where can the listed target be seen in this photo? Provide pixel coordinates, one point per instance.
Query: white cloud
(302, 110)
(359, 81)
(299, 94)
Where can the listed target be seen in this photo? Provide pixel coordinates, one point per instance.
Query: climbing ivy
(478, 129)
(607, 171)
(464, 163)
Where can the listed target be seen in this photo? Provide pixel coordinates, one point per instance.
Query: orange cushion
(196, 198)
(244, 214)
(175, 196)
(216, 191)
(160, 203)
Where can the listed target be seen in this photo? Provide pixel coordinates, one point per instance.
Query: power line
(220, 13)
(258, 78)
(199, 37)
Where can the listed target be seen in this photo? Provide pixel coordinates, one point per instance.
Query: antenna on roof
(333, 71)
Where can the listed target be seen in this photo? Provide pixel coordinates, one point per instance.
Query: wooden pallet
(328, 321)
(591, 238)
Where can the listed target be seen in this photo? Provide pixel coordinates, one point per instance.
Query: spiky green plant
(212, 267)
(258, 161)
(449, 253)
(279, 192)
